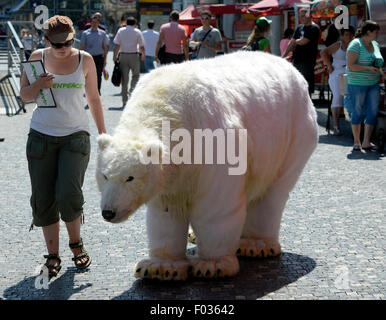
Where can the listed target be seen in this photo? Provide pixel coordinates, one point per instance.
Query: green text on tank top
(65, 85)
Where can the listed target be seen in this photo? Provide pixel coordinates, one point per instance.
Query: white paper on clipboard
(33, 70)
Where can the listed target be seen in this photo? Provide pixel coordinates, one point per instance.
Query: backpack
(255, 44)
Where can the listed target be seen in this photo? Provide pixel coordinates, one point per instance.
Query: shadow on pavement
(257, 278)
(61, 288)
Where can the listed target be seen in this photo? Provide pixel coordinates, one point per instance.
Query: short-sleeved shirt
(27, 42)
(151, 38)
(365, 58)
(259, 43)
(129, 39)
(173, 36)
(213, 38)
(95, 41)
(308, 52)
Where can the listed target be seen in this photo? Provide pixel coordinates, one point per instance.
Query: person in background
(206, 38)
(151, 38)
(96, 42)
(28, 43)
(257, 40)
(334, 58)
(288, 33)
(305, 45)
(172, 35)
(58, 145)
(333, 35)
(224, 43)
(128, 42)
(364, 61)
(98, 16)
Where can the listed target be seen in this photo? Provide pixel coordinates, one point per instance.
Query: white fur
(256, 91)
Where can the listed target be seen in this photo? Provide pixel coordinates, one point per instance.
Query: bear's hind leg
(167, 233)
(260, 236)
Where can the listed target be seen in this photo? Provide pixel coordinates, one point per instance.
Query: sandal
(53, 270)
(81, 255)
(357, 147)
(337, 131)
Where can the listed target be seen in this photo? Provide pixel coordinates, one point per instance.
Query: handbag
(161, 53)
(117, 75)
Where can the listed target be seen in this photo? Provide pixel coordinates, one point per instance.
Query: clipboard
(33, 70)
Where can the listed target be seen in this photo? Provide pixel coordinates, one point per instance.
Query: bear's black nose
(108, 214)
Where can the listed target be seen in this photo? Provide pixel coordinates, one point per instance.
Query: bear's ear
(104, 140)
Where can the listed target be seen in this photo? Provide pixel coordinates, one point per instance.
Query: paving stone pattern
(332, 236)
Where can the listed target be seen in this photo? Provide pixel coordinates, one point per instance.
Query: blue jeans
(363, 103)
(149, 63)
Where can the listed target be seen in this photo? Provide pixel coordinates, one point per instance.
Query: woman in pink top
(172, 35)
(288, 33)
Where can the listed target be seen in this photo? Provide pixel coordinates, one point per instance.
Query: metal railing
(15, 55)
(11, 58)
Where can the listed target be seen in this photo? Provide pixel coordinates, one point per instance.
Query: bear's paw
(258, 248)
(226, 266)
(162, 269)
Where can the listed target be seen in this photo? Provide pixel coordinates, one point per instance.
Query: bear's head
(125, 178)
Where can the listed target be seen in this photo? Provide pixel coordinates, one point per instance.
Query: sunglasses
(205, 18)
(61, 45)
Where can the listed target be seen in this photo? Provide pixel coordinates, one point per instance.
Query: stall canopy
(274, 4)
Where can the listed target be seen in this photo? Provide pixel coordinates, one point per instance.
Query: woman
(337, 54)
(58, 146)
(364, 61)
(256, 40)
(288, 33)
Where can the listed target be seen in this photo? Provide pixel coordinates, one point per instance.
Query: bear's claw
(258, 248)
(217, 268)
(162, 269)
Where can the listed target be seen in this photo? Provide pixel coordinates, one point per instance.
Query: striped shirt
(365, 58)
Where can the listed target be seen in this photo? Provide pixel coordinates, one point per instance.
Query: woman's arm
(352, 58)
(289, 48)
(92, 95)
(29, 92)
(326, 54)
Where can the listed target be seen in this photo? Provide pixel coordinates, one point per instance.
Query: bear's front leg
(217, 221)
(167, 234)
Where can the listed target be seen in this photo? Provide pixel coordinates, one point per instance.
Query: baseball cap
(59, 29)
(263, 22)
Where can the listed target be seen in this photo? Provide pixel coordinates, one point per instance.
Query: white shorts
(337, 98)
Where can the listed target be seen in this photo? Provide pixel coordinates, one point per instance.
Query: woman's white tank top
(339, 60)
(69, 116)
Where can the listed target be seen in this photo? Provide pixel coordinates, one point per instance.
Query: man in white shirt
(151, 38)
(128, 41)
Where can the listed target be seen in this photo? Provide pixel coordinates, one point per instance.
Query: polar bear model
(231, 214)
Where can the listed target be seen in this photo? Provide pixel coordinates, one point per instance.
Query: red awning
(217, 9)
(268, 4)
(187, 17)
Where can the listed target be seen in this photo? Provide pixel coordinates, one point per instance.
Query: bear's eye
(130, 179)
(105, 177)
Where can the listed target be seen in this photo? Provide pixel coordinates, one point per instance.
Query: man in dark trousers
(305, 42)
(96, 42)
(172, 34)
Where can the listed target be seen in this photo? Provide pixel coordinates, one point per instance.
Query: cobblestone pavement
(333, 232)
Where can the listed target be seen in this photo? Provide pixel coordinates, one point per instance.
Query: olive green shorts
(57, 166)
